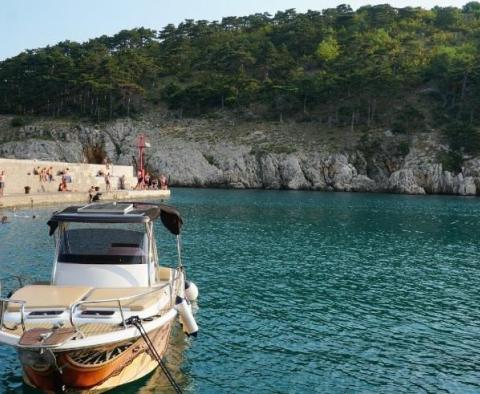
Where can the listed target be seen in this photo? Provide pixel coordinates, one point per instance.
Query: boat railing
(172, 286)
(118, 301)
(4, 302)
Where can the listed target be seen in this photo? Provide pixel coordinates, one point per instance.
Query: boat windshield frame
(117, 249)
(150, 258)
(140, 212)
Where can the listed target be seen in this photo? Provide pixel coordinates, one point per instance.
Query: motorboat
(105, 317)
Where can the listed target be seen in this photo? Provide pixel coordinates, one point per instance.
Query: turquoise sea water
(310, 292)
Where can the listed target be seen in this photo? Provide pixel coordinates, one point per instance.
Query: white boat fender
(191, 290)
(189, 306)
(189, 324)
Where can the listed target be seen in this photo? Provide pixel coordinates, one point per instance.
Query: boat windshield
(85, 243)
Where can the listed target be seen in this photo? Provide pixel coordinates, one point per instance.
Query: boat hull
(95, 369)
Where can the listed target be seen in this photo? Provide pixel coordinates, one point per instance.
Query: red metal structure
(141, 155)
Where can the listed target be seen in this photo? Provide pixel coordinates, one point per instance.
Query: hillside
(339, 67)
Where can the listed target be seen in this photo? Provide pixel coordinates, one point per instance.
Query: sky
(30, 24)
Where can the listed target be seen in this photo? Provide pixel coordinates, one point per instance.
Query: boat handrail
(170, 284)
(5, 302)
(118, 301)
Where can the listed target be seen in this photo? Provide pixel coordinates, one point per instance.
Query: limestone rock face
(190, 159)
(362, 183)
(185, 165)
(313, 170)
(41, 150)
(339, 173)
(269, 172)
(470, 188)
(403, 181)
(291, 174)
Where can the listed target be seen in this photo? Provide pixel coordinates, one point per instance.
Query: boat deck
(148, 303)
(87, 329)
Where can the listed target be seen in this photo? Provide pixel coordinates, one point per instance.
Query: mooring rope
(137, 322)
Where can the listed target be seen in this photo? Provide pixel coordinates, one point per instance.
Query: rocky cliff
(221, 153)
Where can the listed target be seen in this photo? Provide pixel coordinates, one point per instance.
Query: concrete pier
(21, 173)
(65, 198)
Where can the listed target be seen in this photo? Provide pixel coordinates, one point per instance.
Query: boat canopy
(119, 212)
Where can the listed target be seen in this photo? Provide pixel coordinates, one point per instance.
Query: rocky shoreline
(217, 154)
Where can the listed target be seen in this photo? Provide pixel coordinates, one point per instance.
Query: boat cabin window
(102, 244)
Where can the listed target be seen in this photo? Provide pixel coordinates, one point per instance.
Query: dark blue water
(311, 292)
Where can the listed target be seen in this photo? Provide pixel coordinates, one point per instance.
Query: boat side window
(102, 246)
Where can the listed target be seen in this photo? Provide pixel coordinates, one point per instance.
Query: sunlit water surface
(309, 292)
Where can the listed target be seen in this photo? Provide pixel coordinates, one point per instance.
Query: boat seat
(164, 274)
(137, 304)
(48, 296)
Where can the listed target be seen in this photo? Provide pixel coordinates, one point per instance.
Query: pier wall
(20, 173)
(62, 199)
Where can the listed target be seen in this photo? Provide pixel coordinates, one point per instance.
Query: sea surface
(308, 292)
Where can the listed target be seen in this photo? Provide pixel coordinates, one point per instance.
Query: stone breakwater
(253, 161)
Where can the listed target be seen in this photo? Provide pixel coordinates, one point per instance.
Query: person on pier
(62, 187)
(108, 185)
(163, 182)
(50, 174)
(43, 174)
(2, 182)
(97, 195)
(146, 181)
(91, 193)
(140, 182)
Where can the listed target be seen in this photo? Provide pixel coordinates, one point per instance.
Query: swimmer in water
(5, 220)
(15, 214)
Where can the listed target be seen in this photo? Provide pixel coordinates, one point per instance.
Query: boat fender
(191, 291)
(189, 306)
(185, 311)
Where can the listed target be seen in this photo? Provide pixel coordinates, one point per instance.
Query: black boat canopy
(121, 212)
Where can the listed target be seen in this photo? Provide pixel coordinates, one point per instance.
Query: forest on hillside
(409, 69)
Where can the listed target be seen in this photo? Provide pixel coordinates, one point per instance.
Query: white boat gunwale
(130, 332)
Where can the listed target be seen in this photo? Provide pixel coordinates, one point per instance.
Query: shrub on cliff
(18, 121)
(451, 161)
(463, 137)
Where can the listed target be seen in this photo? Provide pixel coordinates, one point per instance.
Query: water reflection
(156, 381)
